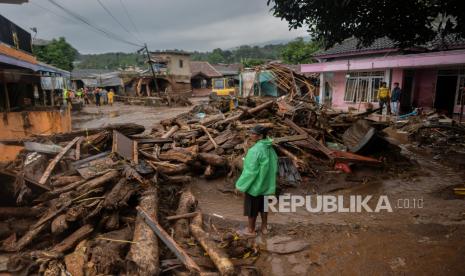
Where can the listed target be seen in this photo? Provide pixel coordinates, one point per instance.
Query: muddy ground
(428, 238)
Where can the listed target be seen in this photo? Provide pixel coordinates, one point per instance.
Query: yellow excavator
(223, 86)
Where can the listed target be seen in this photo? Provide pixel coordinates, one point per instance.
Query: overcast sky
(163, 24)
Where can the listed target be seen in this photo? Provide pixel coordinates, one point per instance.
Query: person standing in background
(383, 98)
(111, 94)
(104, 95)
(97, 96)
(395, 98)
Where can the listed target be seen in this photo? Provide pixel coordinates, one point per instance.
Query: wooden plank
(42, 148)
(79, 163)
(293, 138)
(55, 161)
(182, 216)
(313, 142)
(209, 136)
(170, 243)
(125, 147)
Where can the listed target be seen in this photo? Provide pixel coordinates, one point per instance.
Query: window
(363, 86)
(181, 63)
(218, 84)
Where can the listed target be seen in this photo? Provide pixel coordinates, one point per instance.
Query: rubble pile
(114, 201)
(439, 135)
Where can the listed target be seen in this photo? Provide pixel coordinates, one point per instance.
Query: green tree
(408, 23)
(251, 62)
(299, 51)
(58, 53)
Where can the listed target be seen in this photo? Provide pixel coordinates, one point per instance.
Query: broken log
(19, 212)
(183, 155)
(65, 180)
(107, 253)
(216, 254)
(143, 256)
(76, 261)
(212, 119)
(182, 216)
(26, 239)
(55, 161)
(249, 111)
(170, 132)
(298, 163)
(119, 195)
(187, 203)
(209, 136)
(213, 159)
(59, 224)
(169, 242)
(98, 181)
(72, 240)
(168, 168)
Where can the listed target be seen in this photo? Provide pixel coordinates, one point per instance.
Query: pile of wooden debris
(100, 201)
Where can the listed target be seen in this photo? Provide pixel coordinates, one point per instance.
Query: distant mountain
(254, 53)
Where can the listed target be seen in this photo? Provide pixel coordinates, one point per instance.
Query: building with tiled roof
(431, 76)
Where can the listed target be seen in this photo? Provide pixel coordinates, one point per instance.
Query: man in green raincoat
(258, 178)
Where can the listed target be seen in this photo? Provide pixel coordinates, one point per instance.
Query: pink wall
(425, 87)
(397, 75)
(338, 83)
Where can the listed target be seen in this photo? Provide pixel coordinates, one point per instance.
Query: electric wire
(130, 18)
(117, 21)
(100, 29)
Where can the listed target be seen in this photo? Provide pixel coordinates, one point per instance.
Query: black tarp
(15, 36)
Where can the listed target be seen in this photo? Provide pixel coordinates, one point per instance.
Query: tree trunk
(187, 203)
(216, 254)
(144, 254)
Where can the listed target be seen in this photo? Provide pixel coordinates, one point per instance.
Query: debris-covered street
(332, 142)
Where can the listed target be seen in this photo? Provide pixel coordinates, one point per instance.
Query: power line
(130, 18)
(116, 20)
(85, 21)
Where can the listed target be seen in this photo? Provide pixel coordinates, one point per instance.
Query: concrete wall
(25, 124)
(173, 64)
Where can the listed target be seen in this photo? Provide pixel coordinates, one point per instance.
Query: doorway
(445, 94)
(407, 91)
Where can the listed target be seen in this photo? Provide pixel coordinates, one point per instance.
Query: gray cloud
(163, 24)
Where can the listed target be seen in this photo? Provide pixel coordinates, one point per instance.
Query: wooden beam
(170, 243)
(209, 136)
(182, 216)
(55, 161)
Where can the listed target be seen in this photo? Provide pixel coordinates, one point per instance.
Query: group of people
(84, 95)
(390, 100)
(103, 96)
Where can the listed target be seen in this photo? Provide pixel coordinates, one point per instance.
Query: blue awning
(17, 62)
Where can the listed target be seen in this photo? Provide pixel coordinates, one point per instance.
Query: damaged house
(172, 73)
(202, 77)
(29, 92)
(430, 76)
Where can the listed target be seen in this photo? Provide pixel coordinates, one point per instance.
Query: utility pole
(151, 67)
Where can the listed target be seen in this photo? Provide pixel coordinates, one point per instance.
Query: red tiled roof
(205, 68)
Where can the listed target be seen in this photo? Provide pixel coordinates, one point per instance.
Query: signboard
(15, 36)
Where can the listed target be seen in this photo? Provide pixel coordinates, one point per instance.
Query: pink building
(430, 76)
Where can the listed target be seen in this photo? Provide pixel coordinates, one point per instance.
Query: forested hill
(296, 51)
